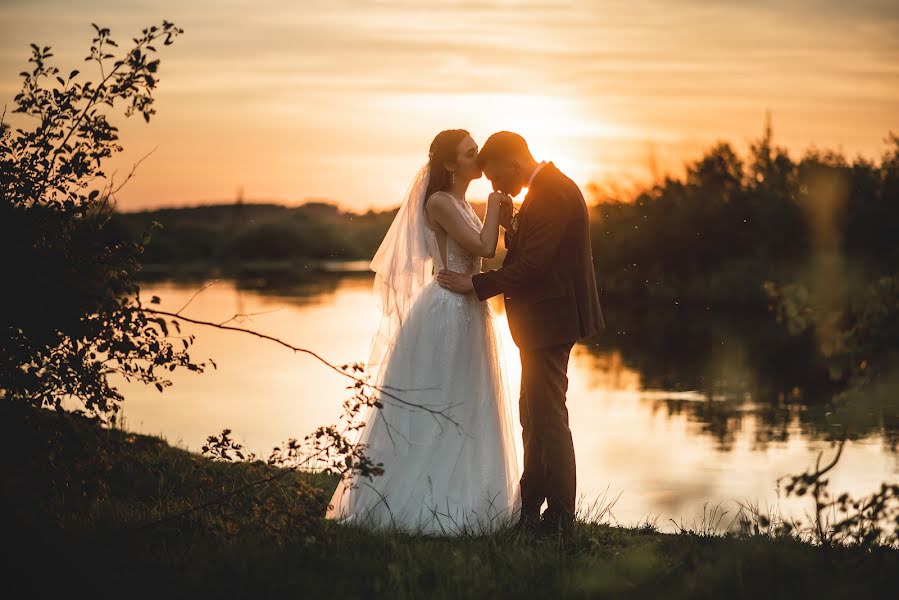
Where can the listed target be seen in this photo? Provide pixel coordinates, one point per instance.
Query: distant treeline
(230, 233)
(713, 235)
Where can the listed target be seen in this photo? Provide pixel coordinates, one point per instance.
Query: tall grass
(86, 511)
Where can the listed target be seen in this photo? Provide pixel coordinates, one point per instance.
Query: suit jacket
(547, 277)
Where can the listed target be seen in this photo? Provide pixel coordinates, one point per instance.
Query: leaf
(158, 386)
(154, 300)
(74, 73)
(162, 325)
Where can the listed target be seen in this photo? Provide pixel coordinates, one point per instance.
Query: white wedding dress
(442, 476)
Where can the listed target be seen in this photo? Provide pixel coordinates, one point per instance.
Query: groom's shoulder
(557, 181)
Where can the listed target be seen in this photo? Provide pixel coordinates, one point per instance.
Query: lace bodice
(457, 258)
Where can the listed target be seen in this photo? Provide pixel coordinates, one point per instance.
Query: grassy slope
(76, 496)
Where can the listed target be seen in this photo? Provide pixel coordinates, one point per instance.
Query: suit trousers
(549, 466)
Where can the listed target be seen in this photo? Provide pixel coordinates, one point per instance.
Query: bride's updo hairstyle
(444, 149)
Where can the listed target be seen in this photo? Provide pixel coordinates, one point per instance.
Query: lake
(673, 410)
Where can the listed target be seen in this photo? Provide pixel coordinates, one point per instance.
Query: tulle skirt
(443, 475)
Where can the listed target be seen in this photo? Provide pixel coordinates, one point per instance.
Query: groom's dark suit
(549, 288)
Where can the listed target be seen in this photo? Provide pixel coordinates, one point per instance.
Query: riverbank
(80, 498)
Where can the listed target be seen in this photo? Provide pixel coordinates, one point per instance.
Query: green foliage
(63, 472)
(75, 315)
(264, 544)
(730, 224)
(857, 337)
(329, 449)
(865, 522)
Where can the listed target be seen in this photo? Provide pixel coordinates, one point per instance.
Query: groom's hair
(503, 145)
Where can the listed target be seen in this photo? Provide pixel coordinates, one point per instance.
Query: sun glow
(341, 100)
(556, 128)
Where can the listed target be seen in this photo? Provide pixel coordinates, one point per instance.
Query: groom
(549, 288)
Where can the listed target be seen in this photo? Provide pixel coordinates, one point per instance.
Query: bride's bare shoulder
(440, 201)
(439, 196)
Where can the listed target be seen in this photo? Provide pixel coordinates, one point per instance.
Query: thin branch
(819, 505)
(197, 293)
(254, 314)
(835, 460)
(113, 192)
(311, 353)
(357, 380)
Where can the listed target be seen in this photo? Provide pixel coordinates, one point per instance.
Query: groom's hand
(455, 282)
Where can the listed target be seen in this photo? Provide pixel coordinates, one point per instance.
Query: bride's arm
(443, 209)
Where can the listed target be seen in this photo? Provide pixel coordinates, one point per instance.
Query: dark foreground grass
(79, 500)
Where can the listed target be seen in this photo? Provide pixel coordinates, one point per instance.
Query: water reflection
(671, 409)
(740, 363)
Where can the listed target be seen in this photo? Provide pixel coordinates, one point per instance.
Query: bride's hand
(505, 212)
(498, 197)
(505, 207)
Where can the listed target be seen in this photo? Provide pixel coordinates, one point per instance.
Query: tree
(73, 312)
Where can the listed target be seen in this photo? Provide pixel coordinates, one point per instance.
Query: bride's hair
(443, 150)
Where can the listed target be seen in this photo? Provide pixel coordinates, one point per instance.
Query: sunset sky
(339, 100)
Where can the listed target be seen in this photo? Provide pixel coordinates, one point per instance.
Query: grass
(79, 498)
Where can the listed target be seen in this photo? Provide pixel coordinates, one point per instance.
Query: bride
(447, 449)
